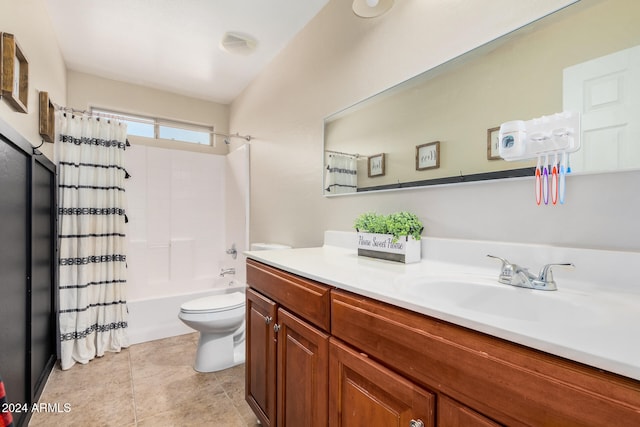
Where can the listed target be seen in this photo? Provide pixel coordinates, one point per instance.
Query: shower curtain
(342, 174)
(91, 237)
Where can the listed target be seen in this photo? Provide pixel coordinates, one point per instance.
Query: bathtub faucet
(225, 271)
(233, 251)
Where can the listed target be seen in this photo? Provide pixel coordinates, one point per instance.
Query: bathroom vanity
(336, 339)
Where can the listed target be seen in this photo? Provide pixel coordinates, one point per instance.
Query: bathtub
(155, 318)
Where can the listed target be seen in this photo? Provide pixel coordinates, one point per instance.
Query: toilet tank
(268, 246)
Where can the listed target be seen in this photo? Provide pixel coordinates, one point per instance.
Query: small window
(138, 126)
(186, 135)
(155, 128)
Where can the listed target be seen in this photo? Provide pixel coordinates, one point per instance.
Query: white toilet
(220, 321)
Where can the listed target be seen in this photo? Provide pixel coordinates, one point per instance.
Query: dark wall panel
(28, 278)
(42, 274)
(14, 267)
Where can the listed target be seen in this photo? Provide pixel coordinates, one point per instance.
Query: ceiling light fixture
(371, 8)
(241, 43)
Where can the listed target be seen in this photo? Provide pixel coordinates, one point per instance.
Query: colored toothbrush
(563, 176)
(554, 180)
(545, 180)
(538, 183)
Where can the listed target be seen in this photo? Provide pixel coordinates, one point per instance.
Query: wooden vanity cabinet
(479, 379)
(287, 356)
(340, 359)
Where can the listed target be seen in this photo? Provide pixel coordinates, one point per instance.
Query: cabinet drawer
(512, 384)
(308, 299)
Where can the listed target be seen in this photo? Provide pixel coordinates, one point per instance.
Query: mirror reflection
(441, 126)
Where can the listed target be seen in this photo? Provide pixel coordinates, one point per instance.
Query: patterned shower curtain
(342, 174)
(91, 232)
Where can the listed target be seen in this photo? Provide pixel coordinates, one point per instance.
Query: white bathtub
(155, 318)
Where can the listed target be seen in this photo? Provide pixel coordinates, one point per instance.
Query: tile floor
(148, 384)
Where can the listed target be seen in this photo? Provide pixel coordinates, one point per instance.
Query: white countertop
(588, 321)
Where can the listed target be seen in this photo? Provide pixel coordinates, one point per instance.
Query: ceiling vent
(239, 43)
(371, 8)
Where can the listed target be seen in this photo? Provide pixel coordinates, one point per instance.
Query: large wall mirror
(440, 127)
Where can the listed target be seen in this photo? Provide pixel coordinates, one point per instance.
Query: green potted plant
(394, 237)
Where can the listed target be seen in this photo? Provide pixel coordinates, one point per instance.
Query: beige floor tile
(232, 381)
(149, 384)
(109, 404)
(248, 417)
(172, 389)
(212, 408)
(153, 358)
(112, 367)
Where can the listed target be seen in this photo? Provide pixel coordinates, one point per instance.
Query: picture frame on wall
(14, 84)
(428, 156)
(375, 165)
(46, 120)
(493, 143)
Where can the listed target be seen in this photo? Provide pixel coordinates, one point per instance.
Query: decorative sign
(380, 241)
(382, 246)
(493, 143)
(376, 165)
(428, 156)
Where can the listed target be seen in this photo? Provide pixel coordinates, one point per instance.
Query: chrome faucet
(225, 271)
(232, 251)
(515, 275)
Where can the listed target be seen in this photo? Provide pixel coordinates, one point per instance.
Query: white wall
(28, 22)
(86, 91)
(339, 59)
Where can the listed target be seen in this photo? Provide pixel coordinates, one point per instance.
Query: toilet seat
(214, 303)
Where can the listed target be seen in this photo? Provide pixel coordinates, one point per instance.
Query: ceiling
(175, 45)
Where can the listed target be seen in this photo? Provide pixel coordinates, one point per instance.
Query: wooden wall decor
(15, 73)
(428, 156)
(47, 118)
(375, 165)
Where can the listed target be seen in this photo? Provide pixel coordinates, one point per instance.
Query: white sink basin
(488, 297)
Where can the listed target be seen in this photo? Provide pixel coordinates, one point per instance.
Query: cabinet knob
(416, 423)
(276, 327)
(268, 319)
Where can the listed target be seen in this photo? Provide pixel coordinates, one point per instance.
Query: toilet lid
(214, 303)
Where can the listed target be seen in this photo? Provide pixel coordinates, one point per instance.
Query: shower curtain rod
(343, 153)
(133, 119)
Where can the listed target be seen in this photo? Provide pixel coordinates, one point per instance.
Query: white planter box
(381, 246)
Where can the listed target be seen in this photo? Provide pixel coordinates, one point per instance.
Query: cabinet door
(303, 371)
(364, 393)
(454, 414)
(260, 387)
